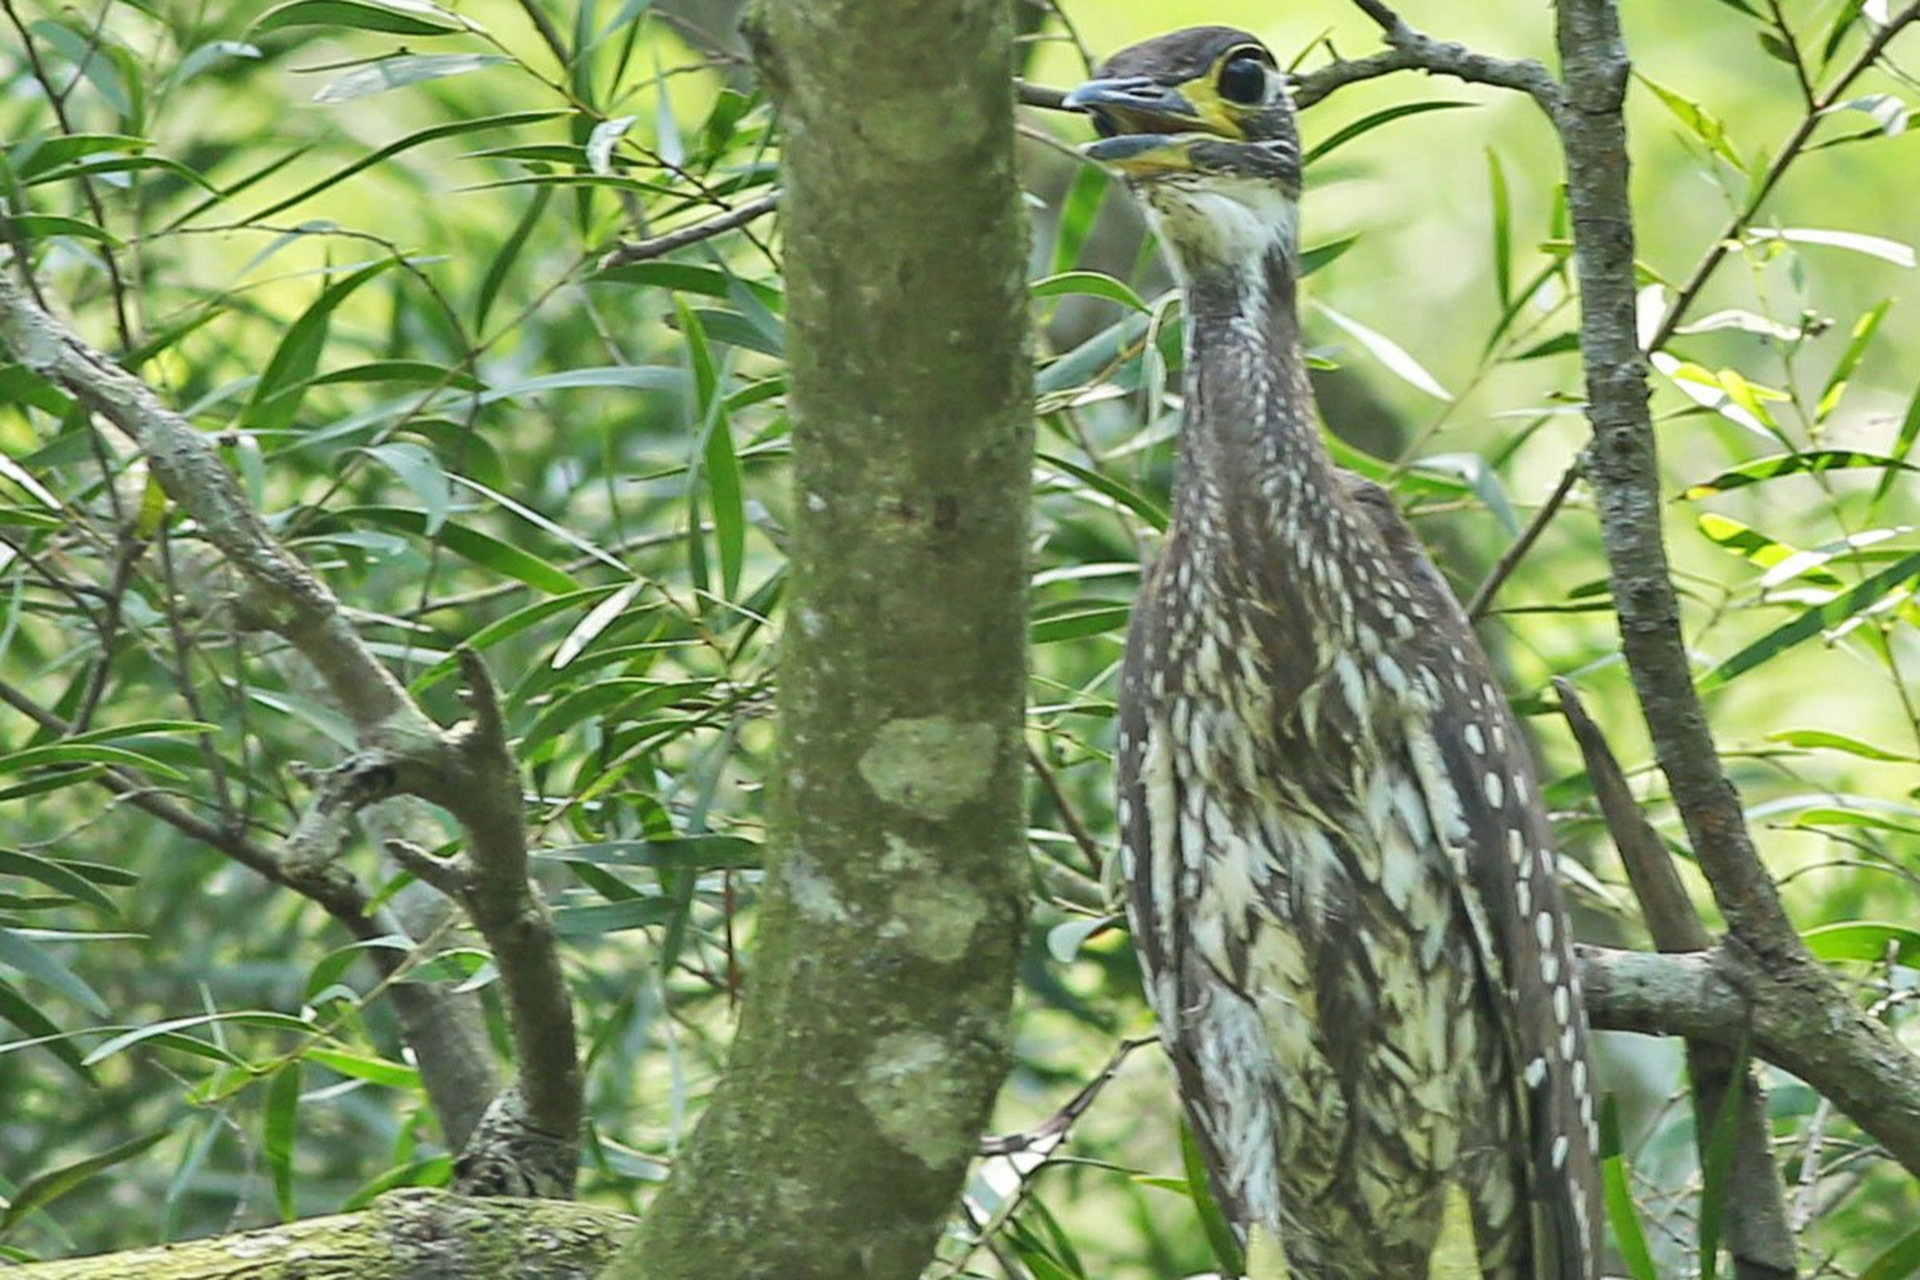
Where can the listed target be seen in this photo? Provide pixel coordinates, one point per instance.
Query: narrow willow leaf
(41, 1031)
(1863, 331)
(1064, 940)
(1843, 22)
(612, 917)
(1899, 254)
(1866, 940)
(1078, 619)
(277, 396)
(1813, 621)
(1902, 449)
(1389, 353)
(401, 70)
(395, 17)
(1089, 284)
(604, 137)
(140, 1035)
(1141, 505)
(39, 1192)
(510, 120)
(1617, 1189)
(1502, 202)
(1482, 479)
(471, 544)
(502, 264)
(683, 853)
(1079, 209)
(281, 1129)
(1702, 123)
(32, 158)
(20, 952)
(1813, 461)
(1367, 124)
(54, 875)
(421, 472)
(1888, 112)
(1226, 1247)
(1717, 1165)
(360, 1066)
(1322, 255)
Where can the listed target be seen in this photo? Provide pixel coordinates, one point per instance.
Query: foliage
(389, 306)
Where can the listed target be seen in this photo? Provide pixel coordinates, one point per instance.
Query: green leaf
(54, 875)
(685, 853)
(1502, 229)
(1141, 505)
(277, 396)
(1699, 121)
(401, 70)
(1617, 1190)
(1863, 331)
(1899, 254)
(1482, 479)
(1089, 284)
(328, 970)
(396, 17)
(21, 1012)
(612, 917)
(1226, 1247)
(1322, 255)
(502, 264)
(32, 158)
(715, 463)
(1819, 739)
(472, 545)
(360, 1066)
(1813, 621)
(1870, 941)
(1367, 124)
(1717, 1162)
(1902, 449)
(1813, 461)
(1389, 353)
(1079, 209)
(140, 1035)
(281, 1128)
(1077, 619)
(39, 1192)
(1900, 1261)
(19, 952)
(510, 120)
(421, 472)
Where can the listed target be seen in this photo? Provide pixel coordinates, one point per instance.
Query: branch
(1410, 50)
(627, 253)
(401, 1236)
(1755, 1209)
(1810, 1029)
(468, 770)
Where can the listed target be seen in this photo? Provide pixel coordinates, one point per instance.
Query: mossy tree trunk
(874, 1033)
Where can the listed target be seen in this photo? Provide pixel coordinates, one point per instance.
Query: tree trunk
(874, 1032)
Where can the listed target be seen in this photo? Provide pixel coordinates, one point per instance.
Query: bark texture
(874, 1032)
(408, 1235)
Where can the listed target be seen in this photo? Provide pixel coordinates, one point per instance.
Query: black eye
(1244, 80)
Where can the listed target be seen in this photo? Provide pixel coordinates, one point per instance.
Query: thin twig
(1411, 50)
(1497, 577)
(629, 252)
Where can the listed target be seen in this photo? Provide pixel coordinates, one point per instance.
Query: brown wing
(1509, 856)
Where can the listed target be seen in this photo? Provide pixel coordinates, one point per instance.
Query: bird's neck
(1252, 464)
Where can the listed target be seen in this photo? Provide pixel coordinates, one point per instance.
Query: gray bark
(874, 1031)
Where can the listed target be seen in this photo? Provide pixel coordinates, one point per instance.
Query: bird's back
(1295, 747)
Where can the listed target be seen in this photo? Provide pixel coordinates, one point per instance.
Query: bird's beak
(1149, 126)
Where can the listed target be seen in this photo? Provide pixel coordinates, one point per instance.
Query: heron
(1342, 883)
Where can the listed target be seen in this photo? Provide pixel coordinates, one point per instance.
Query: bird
(1341, 881)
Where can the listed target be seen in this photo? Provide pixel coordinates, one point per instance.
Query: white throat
(1215, 223)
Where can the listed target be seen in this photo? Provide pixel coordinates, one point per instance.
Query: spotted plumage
(1341, 881)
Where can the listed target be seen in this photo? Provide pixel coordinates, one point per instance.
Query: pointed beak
(1141, 122)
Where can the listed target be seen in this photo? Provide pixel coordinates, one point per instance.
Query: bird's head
(1200, 125)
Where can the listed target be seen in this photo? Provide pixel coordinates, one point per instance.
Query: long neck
(1252, 464)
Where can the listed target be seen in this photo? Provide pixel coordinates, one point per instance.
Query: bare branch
(628, 253)
(1410, 50)
(1498, 575)
(1808, 1028)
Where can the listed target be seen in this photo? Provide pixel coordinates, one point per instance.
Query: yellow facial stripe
(1214, 111)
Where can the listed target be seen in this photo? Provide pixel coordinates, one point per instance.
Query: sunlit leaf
(1815, 620)
(396, 17)
(1702, 123)
(1367, 124)
(1899, 254)
(1387, 352)
(1871, 941)
(1863, 331)
(401, 70)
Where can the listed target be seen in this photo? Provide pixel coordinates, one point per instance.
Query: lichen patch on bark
(929, 765)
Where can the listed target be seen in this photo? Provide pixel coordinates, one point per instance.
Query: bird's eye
(1243, 79)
